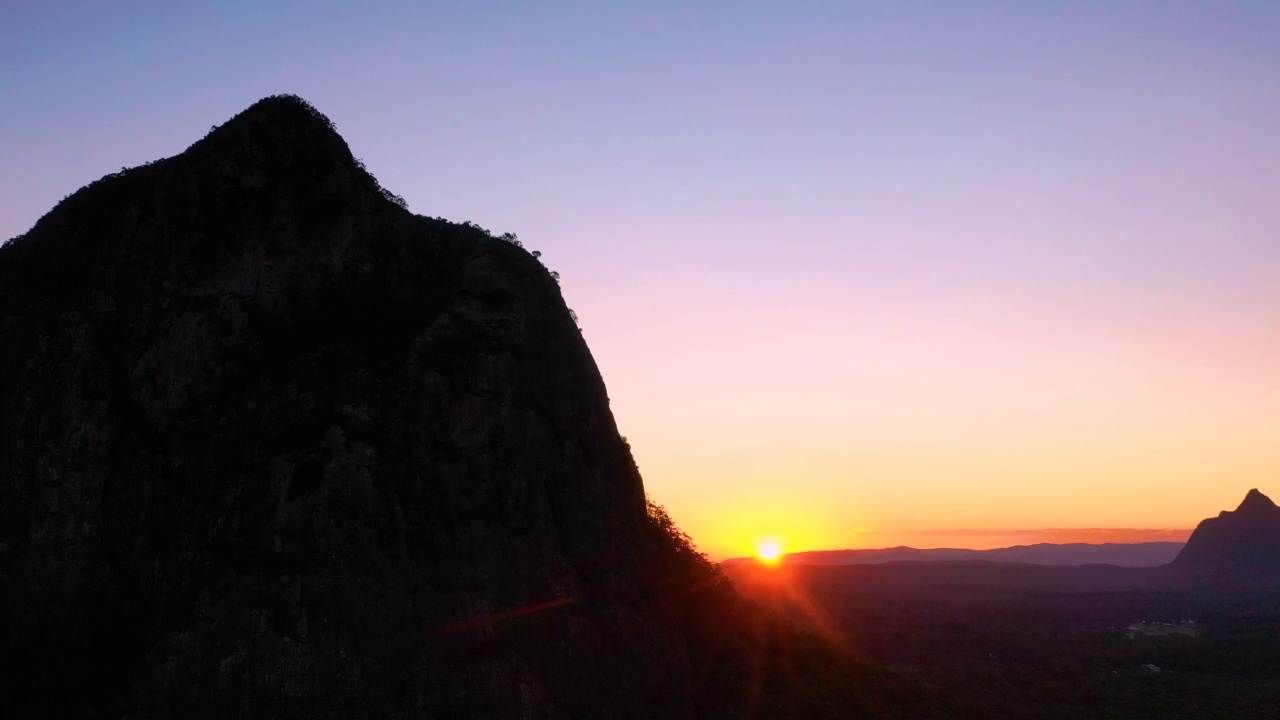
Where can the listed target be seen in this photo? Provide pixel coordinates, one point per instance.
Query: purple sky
(848, 268)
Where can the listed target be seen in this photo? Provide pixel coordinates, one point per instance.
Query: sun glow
(769, 551)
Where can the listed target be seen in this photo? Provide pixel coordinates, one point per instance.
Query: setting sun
(769, 551)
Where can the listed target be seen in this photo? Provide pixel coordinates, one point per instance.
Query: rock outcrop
(1241, 546)
(273, 446)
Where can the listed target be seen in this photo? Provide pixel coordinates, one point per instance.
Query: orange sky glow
(838, 429)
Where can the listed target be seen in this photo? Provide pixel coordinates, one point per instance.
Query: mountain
(1124, 554)
(273, 446)
(1242, 545)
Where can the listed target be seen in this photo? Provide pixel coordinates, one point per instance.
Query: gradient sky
(856, 274)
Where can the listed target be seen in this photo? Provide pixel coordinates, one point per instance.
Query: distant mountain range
(1236, 547)
(1122, 554)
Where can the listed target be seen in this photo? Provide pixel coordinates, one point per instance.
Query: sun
(769, 551)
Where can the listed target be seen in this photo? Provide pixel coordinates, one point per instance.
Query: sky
(857, 274)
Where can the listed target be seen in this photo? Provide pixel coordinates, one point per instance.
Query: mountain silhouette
(1241, 545)
(273, 446)
(1148, 554)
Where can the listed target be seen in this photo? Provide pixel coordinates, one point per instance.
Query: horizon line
(997, 532)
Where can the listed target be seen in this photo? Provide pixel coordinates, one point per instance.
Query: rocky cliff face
(1241, 545)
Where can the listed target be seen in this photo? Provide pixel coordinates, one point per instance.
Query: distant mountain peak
(1255, 501)
(1239, 545)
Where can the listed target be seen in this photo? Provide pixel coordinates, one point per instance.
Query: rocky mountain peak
(247, 401)
(1240, 546)
(1256, 502)
(280, 138)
